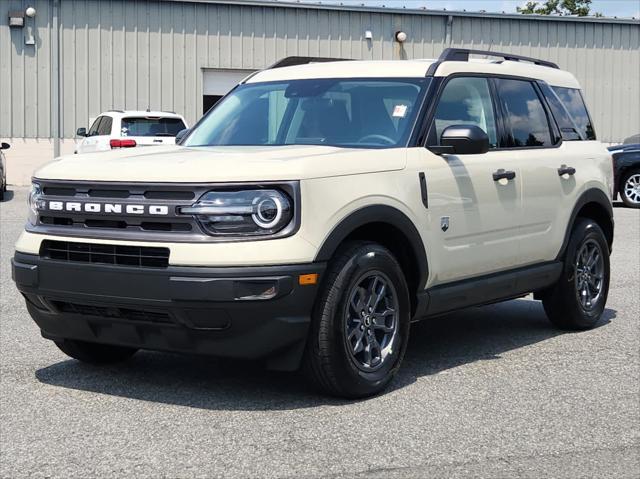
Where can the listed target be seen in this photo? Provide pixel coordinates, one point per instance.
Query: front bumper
(182, 309)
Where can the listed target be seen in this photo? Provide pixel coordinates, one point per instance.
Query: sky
(609, 8)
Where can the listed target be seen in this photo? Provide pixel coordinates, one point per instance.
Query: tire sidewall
(585, 230)
(368, 259)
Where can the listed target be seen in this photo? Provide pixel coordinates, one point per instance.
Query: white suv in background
(125, 129)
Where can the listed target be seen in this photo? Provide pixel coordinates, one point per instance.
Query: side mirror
(181, 134)
(463, 140)
(81, 132)
(5, 146)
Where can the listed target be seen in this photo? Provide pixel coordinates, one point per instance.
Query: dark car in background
(3, 170)
(626, 169)
(632, 140)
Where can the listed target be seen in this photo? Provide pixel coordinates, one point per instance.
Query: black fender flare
(592, 195)
(378, 214)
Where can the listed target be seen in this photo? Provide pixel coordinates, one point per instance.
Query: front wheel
(630, 189)
(578, 299)
(360, 325)
(94, 353)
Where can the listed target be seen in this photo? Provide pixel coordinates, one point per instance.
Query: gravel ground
(489, 392)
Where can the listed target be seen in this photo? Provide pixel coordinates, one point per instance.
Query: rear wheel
(578, 299)
(360, 325)
(630, 189)
(94, 353)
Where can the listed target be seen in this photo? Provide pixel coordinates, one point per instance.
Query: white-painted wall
(28, 154)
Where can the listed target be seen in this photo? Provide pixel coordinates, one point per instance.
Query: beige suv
(319, 209)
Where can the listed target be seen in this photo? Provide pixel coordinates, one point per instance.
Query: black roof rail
(292, 61)
(462, 54)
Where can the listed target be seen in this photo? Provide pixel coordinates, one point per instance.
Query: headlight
(36, 202)
(254, 212)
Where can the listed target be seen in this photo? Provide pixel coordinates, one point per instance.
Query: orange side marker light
(307, 279)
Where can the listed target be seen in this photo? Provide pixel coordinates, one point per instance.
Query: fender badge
(444, 223)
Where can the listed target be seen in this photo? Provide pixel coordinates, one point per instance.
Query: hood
(222, 164)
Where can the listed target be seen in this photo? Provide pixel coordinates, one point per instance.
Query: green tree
(558, 7)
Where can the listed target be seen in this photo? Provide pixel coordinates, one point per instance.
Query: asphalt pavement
(489, 392)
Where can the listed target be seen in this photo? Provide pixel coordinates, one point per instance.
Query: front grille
(115, 224)
(118, 222)
(91, 191)
(112, 312)
(141, 256)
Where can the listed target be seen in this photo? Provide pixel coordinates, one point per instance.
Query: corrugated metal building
(76, 58)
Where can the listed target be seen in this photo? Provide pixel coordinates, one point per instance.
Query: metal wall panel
(25, 73)
(139, 54)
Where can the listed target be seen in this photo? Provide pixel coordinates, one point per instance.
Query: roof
(413, 69)
(346, 69)
(143, 113)
(321, 5)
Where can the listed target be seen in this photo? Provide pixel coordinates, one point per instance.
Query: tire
(567, 304)
(630, 188)
(94, 353)
(342, 358)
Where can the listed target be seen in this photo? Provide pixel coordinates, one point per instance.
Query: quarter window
(527, 124)
(573, 101)
(465, 101)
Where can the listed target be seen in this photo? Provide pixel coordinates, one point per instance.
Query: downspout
(55, 78)
(448, 31)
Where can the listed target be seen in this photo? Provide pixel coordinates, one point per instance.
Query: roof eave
(409, 11)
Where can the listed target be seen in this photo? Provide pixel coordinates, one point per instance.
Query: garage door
(217, 83)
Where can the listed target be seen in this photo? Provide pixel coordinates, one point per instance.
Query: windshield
(151, 126)
(361, 113)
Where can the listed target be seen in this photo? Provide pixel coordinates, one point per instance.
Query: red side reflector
(115, 143)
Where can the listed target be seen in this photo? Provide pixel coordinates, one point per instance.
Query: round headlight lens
(268, 211)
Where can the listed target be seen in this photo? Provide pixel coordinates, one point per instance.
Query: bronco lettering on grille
(108, 208)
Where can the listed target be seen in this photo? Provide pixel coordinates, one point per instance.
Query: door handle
(502, 174)
(566, 170)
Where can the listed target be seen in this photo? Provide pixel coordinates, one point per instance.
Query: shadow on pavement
(8, 196)
(208, 383)
(475, 334)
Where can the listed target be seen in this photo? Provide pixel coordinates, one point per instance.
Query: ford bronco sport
(319, 209)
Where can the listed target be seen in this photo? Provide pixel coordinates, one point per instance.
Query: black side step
(489, 289)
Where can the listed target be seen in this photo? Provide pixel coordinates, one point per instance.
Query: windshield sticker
(400, 111)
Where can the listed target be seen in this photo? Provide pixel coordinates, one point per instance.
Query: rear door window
(574, 103)
(527, 124)
(151, 126)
